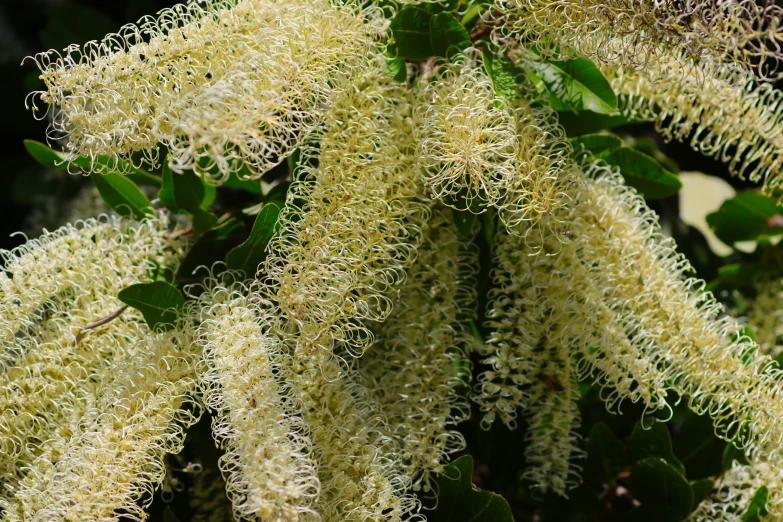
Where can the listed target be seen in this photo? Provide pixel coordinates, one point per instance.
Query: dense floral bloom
(339, 253)
(622, 33)
(215, 82)
(267, 461)
(719, 108)
(765, 316)
(418, 368)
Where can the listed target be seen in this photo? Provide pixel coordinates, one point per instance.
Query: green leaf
(184, 191)
(248, 185)
(757, 507)
(212, 246)
(122, 195)
(588, 122)
(655, 441)
(396, 68)
(251, 253)
(459, 502)
(464, 221)
(49, 158)
(606, 455)
(503, 73)
(159, 303)
(597, 145)
(697, 447)
(411, 31)
(730, 454)
(644, 173)
(737, 275)
(663, 492)
(56, 162)
(577, 83)
(447, 33)
(701, 490)
(745, 217)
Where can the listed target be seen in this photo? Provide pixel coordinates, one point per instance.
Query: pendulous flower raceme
(442, 257)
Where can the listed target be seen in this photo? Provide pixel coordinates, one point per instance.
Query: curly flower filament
(270, 473)
(417, 371)
(216, 82)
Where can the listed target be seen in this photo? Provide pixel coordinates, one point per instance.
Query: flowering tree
(350, 232)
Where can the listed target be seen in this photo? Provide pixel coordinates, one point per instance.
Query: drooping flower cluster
(116, 393)
(417, 369)
(215, 83)
(621, 33)
(336, 377)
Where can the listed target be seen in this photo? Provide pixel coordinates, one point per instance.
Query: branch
(100, 322)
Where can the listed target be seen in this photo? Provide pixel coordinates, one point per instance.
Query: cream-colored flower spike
(737, 486)
(362, 475)
(216, 82)
(52, 287)
(620, 33)
(268, 464)
(476, 150)
(720, 109)
(708, 359)
(114, 458)
(337, 256)
(765, 316)
(417, 371)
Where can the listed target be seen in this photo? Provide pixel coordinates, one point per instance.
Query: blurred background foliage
(726, 228)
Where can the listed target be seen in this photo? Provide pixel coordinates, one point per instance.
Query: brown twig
(100, 322)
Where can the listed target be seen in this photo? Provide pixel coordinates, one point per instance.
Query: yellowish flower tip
(216, 82)
(107, 251)
(417, 371)
(467, 137)
(477, 151)
(722, 372)
(747, 32)
(736, 487)
(765, 316)
(337, 256)
(722, 111)
(270, 473)
(362, 476)
(113, 459)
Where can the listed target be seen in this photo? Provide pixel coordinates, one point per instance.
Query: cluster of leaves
(632, 471)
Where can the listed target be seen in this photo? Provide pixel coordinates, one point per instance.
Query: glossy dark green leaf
(446, 33)
(757, 508)
(596, 145)
(251, 253)
(697, 446)
(159, 303)
(730, 454)
(663, 492)
(644, 173)
(411, 32)
(745, 217)
(459, 502)
(655, 441)
(606, 455)
(248, 185)
(396, 68)
(184, 191)
(577, 83)
(212, 246)
(737, 275)
(56, 162)
(122, 195)
(701, 490)
(46, 156)
(503, 73)
(464, 221)
(588, 122)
